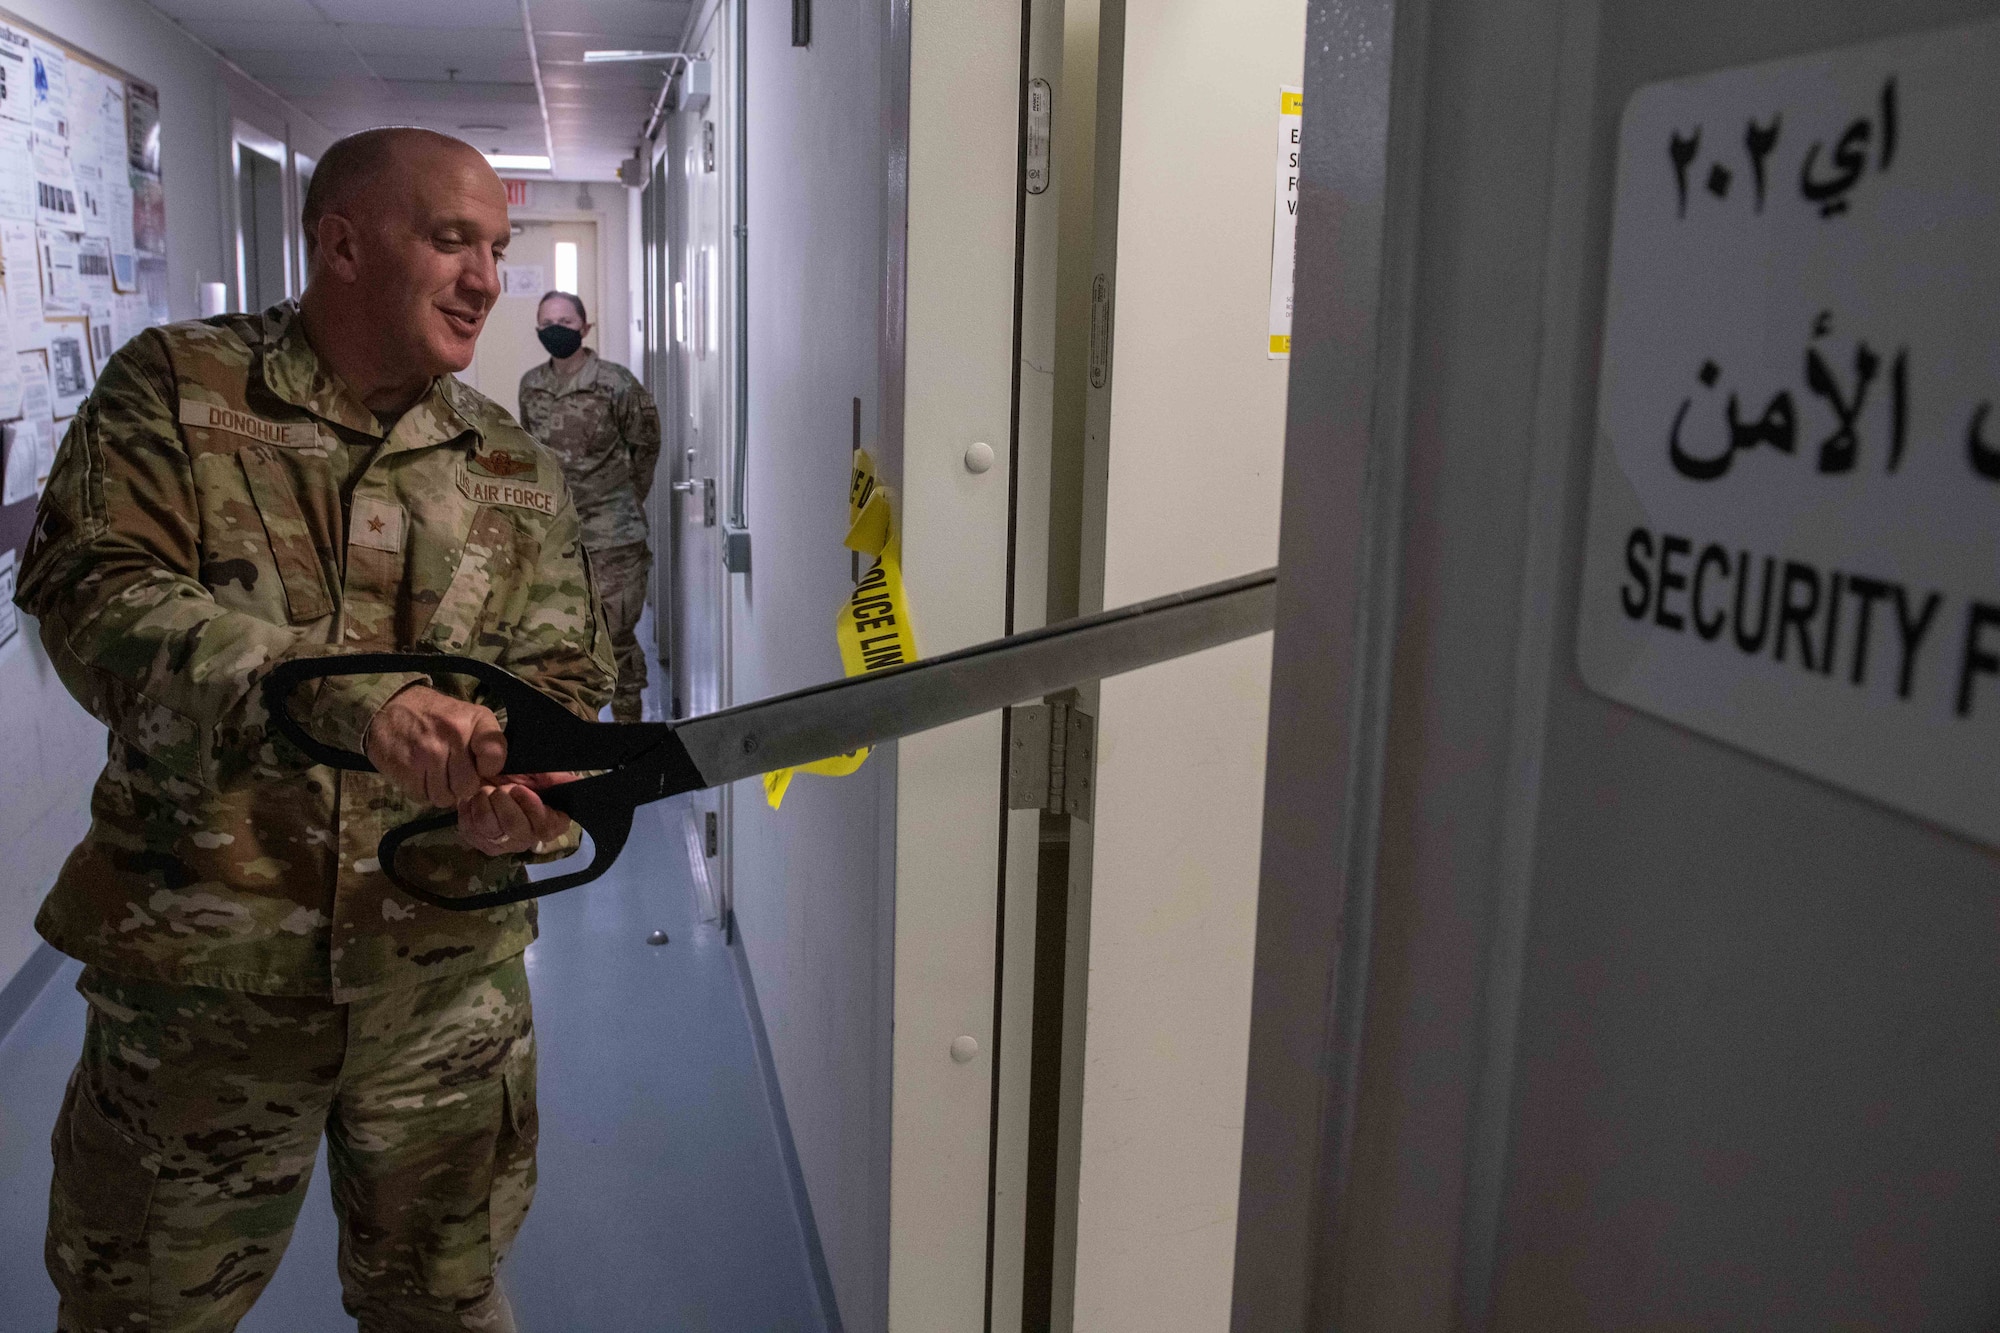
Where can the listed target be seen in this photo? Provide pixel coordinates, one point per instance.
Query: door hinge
(711, 828)
(1052, 760)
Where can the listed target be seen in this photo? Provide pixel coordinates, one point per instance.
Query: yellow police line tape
(873, 630)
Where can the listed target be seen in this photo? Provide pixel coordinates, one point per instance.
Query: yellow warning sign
(874, 630)
(1284, 230)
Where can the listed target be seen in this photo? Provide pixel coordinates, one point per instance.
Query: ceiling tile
(661, 19)
(277, 67)
(281, 69)
(425, 13)
(472, 70)
(238, 11)
(420, 92)
(229, 38)
(473, 43)
(585, 102)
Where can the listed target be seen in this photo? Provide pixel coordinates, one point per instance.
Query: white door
(545, 255)
(699, 309)
(960, 263)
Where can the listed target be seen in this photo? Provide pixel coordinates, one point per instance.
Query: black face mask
(561, 340)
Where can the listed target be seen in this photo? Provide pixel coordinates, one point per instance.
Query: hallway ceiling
(459, 66)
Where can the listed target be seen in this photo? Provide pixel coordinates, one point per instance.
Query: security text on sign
(1794, 540)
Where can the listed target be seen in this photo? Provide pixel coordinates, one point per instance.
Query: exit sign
(517, 193)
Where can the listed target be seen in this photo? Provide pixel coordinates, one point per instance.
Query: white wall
(808, 880)
(1196, 440)
(53, 748)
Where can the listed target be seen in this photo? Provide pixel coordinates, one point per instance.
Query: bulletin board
(83, 247)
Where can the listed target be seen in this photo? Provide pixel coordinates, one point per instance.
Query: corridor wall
(811, 880)
(53, 747)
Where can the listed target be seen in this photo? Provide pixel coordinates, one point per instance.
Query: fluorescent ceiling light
(517, 161)
(622, 57)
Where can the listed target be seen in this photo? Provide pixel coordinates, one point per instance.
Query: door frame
(1339, 562)
(276, 148)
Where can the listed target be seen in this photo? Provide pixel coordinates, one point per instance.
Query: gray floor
(664, 1202)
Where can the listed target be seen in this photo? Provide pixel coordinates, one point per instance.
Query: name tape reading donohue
(1794, 536)
(287, 434)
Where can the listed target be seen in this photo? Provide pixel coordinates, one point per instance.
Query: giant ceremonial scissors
(633, 763)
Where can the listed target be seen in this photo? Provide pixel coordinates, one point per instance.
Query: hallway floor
(664, 1204)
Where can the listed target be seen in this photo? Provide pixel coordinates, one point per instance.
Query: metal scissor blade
(843, 716)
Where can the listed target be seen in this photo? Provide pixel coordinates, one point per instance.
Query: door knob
(706, 485)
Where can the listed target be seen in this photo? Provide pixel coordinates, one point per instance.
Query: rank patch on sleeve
(377, 525)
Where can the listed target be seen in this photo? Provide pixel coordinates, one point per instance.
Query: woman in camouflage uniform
(602, 424)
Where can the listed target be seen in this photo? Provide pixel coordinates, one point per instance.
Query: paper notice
(21, 462)
(124, 249)
(45, 454)
(149, 215)
(153, 288)
(49, 100)
(55, 183)
(17, 171)
(10, 369)
(1284, 229)
(22, 267)
(17, 78)
(71, 375)
(36, 402)
(93, 270)
(97, 144)
(128, 318)
(523, 280)
(10, 619)
(62, 285)
(142, 127)
(100, 298)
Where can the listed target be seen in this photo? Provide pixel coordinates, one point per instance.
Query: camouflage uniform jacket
(222, 503)
(603, 425)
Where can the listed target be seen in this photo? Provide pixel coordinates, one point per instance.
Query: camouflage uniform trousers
(622, 573)
(188, 1134)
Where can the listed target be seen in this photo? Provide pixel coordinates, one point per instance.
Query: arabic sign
(1794, 538)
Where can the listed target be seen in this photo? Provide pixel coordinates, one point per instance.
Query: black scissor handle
(542, 735)
(601, 806)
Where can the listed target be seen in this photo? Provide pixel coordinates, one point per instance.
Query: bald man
(236, 493)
